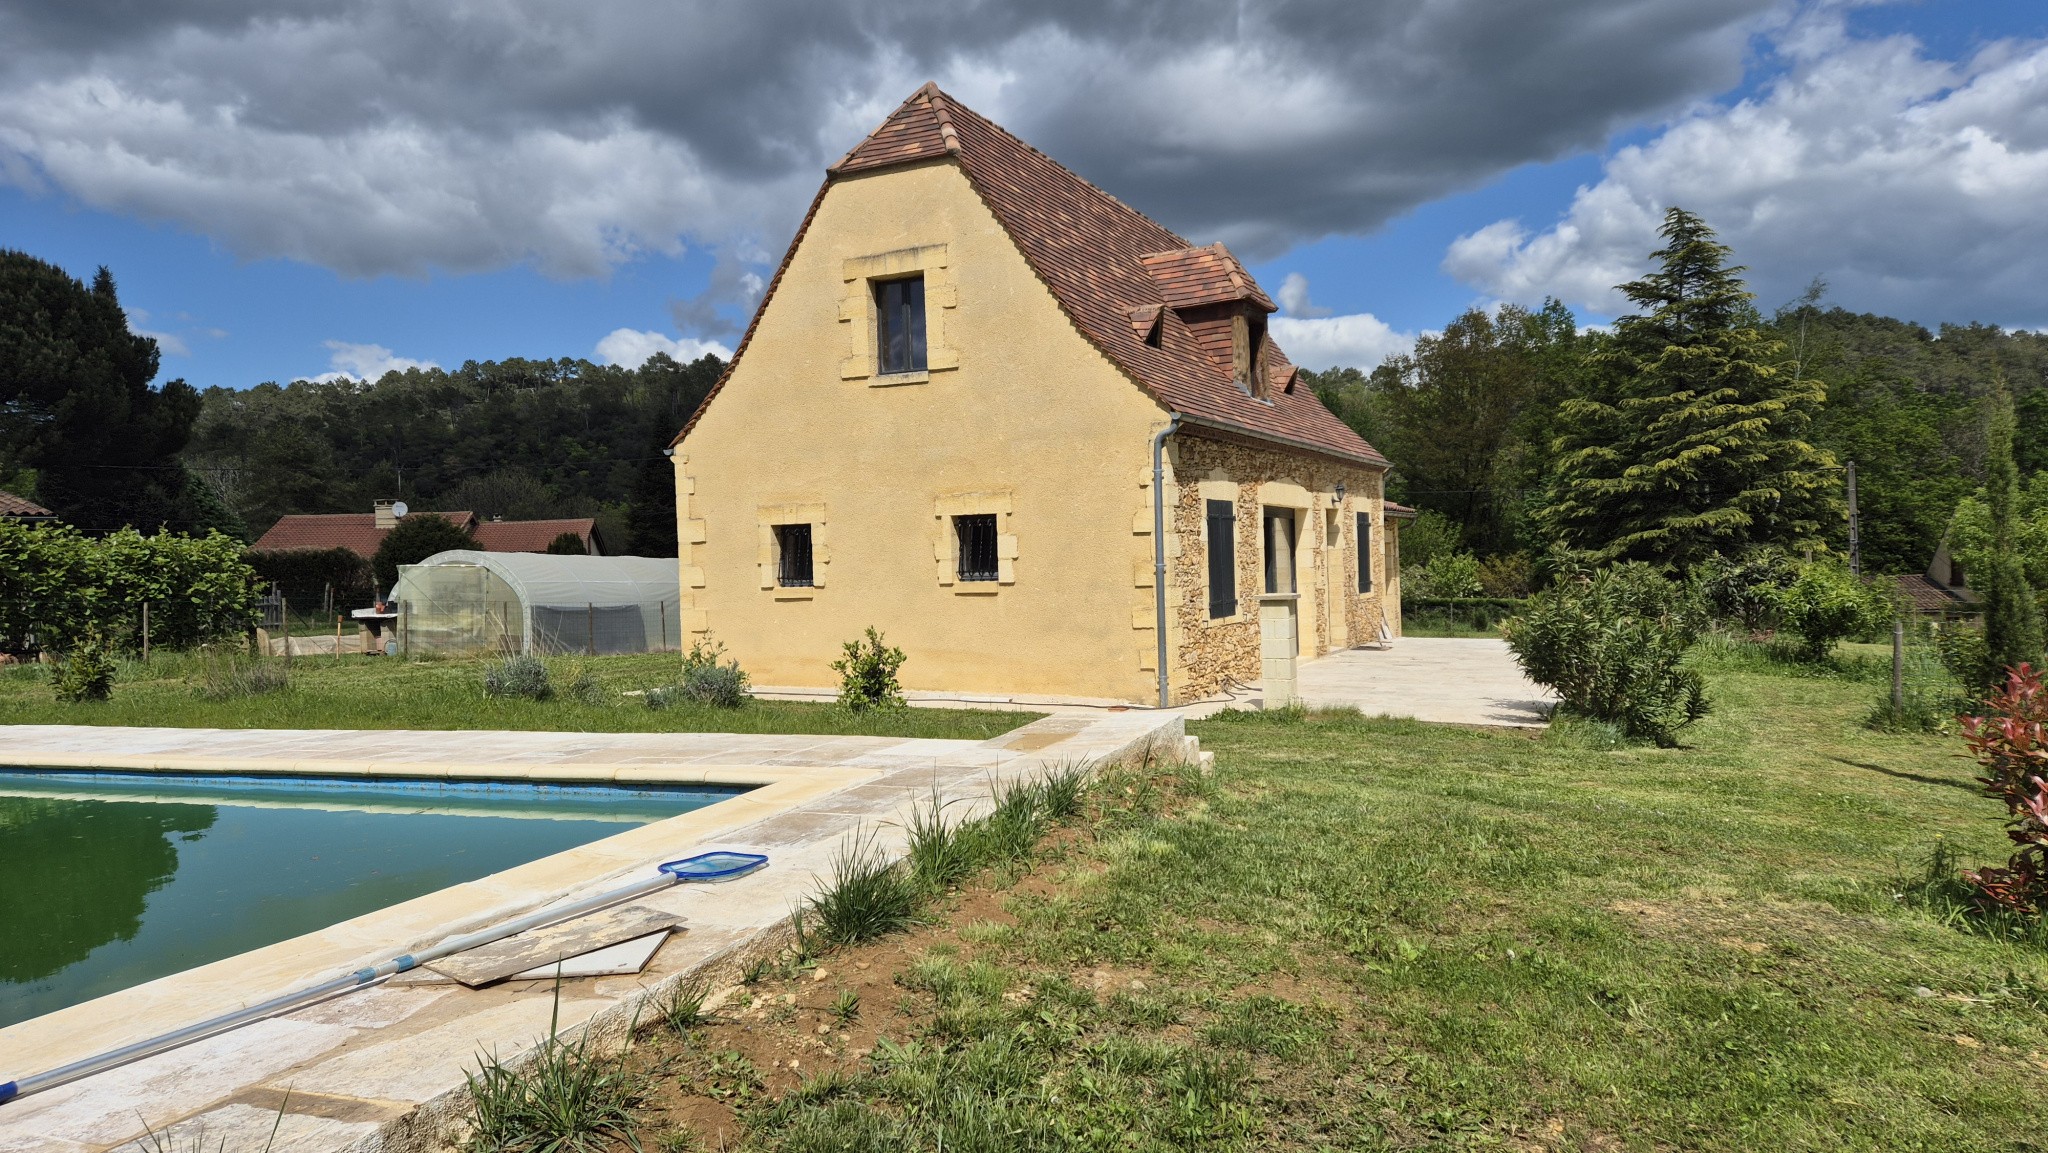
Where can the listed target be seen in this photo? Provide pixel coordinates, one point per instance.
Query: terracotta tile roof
(1924, 594)
(1398, 511)
(1092, 251)
(355, 531)
(13, 507)
(530, 535)
(1189, 277)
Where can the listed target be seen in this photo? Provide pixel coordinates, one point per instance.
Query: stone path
(382, 1068)
(1452, 681)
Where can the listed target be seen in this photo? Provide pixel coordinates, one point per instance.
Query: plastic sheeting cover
(464, 601)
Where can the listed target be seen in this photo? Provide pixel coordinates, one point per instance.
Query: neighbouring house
(361, 533)
(22, 509)
(1943, 590)
(941, 422)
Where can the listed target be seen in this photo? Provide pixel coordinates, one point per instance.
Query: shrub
(1744, 591)
(303, 575)
(521, 677)
(1825, 604)
(2010, 741)
(1966, 656)
(1508, 576)
(867, 675)
(86, 673)
(1613, 647)
(416, 538)
(567, 544)
(1430, 533)
(1447, 575)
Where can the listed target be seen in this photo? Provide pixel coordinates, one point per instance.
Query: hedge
(58, 586)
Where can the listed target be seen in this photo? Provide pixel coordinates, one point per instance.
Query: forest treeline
(1498, 425)
(519, 439)
(1474, 417)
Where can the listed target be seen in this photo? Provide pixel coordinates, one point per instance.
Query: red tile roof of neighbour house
(1923, 594)
(1398, 511)
(355, 531)
(1108, 266)
(531, 535)
(13, 507)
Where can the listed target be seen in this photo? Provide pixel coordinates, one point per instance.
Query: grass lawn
(385, 693)
(1374, 934)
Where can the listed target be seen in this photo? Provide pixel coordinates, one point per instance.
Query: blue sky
(235, 311)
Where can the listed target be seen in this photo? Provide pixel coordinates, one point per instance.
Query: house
(942, 422)
(361, 533)
(21, 509)
(1942, 590)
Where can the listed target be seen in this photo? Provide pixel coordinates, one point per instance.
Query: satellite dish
(398, 508)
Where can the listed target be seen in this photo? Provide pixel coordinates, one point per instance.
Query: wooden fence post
(145, 632)
(591, 626)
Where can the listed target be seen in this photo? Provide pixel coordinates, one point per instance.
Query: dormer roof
(1108, 266)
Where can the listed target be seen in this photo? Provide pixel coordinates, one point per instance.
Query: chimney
(385, 518)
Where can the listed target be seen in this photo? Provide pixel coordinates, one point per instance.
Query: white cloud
(168, 343)
(365, 362)
(1915, 186)
(630, 348)
(1294, 299)
(1360, 340)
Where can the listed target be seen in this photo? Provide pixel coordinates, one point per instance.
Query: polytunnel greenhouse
(463, 602)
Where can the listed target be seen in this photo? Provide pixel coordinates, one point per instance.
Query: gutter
(1159, 549)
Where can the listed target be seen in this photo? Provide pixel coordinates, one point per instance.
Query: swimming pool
(111, 879)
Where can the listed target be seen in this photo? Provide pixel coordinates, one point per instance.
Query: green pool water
(111, 879)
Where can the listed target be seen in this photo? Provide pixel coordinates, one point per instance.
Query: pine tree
(1689, 441)
(2012, 617)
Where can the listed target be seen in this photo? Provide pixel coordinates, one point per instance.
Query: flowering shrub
(2010, 741)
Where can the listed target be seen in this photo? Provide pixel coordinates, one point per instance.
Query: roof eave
(1374, 461)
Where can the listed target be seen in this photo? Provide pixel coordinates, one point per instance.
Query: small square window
(977, 535)
(793, 556)
(899, 325)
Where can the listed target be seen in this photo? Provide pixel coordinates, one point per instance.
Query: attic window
(899, 325)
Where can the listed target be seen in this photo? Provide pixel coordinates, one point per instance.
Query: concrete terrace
(383, 1068)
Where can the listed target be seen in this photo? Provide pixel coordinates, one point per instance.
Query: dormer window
(899, 325)
(1248, 355)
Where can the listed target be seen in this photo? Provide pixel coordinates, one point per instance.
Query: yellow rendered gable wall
(1020, 416)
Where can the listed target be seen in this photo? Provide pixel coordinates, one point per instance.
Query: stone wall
(1212, 656)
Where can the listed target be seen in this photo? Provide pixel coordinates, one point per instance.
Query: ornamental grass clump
(869, 895)
(2010, 741)
(1613, 646)
(518, 678)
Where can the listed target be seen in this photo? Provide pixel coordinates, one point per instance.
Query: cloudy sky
(306, 187)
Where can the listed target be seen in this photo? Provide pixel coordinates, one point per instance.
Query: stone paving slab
(381, 1069)
(1442, 679)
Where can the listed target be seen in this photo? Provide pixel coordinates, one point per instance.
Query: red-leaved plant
(2010, 741)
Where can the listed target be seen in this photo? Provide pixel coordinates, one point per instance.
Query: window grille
(899, 325)
(1222, 559)
(1365, 552)
(793, 564)
(977, 546)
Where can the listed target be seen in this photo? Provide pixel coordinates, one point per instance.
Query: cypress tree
(2012, 617)
(1689, 440)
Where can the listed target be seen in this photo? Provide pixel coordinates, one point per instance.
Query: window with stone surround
(900, 325)
(977, 533)
(793, 556)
